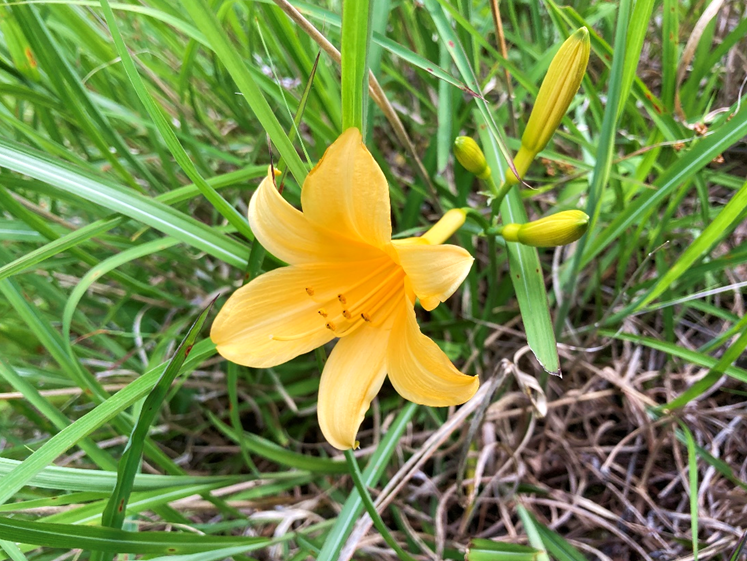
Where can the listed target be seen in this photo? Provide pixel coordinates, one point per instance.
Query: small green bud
(471, 157)
(558, 229)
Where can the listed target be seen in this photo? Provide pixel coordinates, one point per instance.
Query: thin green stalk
(355, 473)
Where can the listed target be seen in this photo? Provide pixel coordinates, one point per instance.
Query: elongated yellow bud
(556, 93)
(444, 228)
(471, 157)
(558, 229)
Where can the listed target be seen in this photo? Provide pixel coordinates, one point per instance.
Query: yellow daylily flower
(346, 279)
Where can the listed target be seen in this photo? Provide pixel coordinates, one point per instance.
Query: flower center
(365, 302)
(369, 301)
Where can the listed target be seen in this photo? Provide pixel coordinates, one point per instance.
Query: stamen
(329, 325)
(346, 314)
(392, 281)
(384, 302)
(342, 299)
(322, 312)
(366, 317)
(310, 291)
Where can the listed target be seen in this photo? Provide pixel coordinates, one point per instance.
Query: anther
(342, 299)
(365, 316)
(310, 291)
(329, 325)
(322, 312)
(346, 314)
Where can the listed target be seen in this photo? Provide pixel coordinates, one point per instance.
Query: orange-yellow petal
(286, 233)
(351, 379)
(419, 370)
(273, 318)
(435, 271)
(347, 193)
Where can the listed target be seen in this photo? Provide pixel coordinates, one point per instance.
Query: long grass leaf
(373, 471)
(129, 464)
(24, 472)
(167, 133)
(200, 12)
(120, 199)
(526, 274)
(689, 164)
(729, 216)
(356, 35)
(74, 536)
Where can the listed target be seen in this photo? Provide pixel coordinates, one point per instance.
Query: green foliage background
(132, 136)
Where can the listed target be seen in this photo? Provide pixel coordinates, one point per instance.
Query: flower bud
(554, 230)
(555, 96)
(471, 157)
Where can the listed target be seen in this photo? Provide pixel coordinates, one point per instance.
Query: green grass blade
(526, 273)
(59, 245)
(13, 551)
(688, 165)
(675, 350)
(332, 19)
(24, 472)
(454, 47)
(201, 13)
(604, 156)
(728, 218)
(640, 20)
(371, 474)
(120, 199)
(167, 133)
(74, 536)
(555, 544)
(444, 136)
(33, 397)
(714, 374)
(670, 30)
(278, 454)
(488, 550)
(533, 535)
(97, 272)
(356, 36)
(738, 549)
(129, 464)
(42, 227)
(48, 337)
(72, 92)
(692, 466)
(73, 479)
(360, 486)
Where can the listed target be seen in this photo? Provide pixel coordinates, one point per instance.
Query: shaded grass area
(123, 191)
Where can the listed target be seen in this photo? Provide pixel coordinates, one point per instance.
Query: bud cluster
(555, 95)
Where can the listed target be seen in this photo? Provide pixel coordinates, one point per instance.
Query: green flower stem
(355, 473)
(477, 217)
(499, 194)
